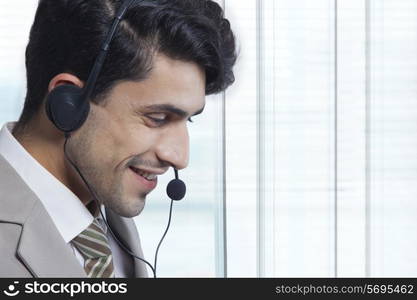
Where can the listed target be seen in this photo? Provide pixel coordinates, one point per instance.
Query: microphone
(176, 188)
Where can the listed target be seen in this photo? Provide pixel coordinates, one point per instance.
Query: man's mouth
(147, 176)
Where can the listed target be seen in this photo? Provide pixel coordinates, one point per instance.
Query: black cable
(166, 230)
(153, 268)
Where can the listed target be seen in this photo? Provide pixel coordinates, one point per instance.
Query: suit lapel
(43, 250)
(125, 230)
(41, 247)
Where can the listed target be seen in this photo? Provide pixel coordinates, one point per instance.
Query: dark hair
(67, 34)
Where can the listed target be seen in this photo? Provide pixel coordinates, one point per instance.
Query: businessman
(162, 60)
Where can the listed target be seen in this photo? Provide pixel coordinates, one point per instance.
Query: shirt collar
(67, 211)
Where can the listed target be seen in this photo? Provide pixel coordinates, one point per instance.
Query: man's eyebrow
(172, 109)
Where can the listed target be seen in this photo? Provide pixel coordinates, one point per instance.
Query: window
(327, 89)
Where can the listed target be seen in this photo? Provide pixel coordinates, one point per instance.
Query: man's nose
(173, 147)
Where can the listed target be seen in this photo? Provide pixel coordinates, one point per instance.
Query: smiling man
(164, 58)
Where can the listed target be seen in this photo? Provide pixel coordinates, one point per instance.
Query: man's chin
(130, 211)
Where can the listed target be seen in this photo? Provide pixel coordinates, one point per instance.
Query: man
(164, 58)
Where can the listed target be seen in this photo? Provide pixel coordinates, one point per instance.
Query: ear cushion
(66, 108)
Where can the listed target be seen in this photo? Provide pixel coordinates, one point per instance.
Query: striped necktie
(94, 247)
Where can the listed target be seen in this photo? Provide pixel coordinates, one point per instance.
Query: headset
(67, 107)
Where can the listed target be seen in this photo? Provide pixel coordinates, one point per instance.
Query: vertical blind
(331, 87)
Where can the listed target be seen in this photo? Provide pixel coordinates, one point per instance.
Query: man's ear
(64, 78)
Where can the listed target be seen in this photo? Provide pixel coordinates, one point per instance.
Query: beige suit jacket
(30, 244)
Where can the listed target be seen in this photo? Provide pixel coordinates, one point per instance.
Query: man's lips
(149, 180)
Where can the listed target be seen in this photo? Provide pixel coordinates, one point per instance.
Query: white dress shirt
(68, 213)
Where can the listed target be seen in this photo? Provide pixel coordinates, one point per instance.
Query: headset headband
(98, 64)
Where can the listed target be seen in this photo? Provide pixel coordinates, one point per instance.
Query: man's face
(138, 134)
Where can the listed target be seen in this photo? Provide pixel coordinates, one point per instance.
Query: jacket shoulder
(16, 198)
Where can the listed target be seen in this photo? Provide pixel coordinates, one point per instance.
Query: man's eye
(158, 118)
(161, 118)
